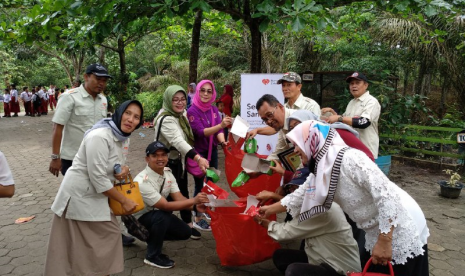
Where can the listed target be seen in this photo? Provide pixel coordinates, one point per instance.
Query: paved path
(26, 142)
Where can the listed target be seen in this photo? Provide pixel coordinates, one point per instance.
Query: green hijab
(168, 110)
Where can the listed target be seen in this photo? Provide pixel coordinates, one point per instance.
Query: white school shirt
(51, 92)
(6, 98)
(14, 93)
(25, 96)
(6, 177)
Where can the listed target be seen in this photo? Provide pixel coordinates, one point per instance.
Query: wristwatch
(339, 119)
(55, 156)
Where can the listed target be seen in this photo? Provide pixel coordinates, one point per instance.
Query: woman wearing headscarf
(206, 124)
(227, 99)
(172, 129)
(395, 226)
(85, 237)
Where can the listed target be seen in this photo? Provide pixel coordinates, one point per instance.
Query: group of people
(339, 202)
(35, 102)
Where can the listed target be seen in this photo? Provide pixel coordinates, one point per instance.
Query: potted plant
(451, 188)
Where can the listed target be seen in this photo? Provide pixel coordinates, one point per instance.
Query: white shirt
(6, 98)
(150, 184)
(6, 177)
(90, 175)
(41, 93)
(25, 96)
(51, 92)
(305, 103)
(368, 107)
(77, 111)
(373, 202)
(14, 93)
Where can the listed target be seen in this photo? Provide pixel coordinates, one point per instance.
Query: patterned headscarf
(323, 144)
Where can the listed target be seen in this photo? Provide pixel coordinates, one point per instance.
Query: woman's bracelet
(198, 158)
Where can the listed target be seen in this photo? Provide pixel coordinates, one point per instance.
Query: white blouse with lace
(375, 203)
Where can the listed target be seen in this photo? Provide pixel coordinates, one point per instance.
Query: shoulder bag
(129, 189)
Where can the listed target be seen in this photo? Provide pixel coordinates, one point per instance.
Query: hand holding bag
(129, 189)
(365, 269)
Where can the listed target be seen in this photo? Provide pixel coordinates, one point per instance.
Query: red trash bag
(239, 239)
(233, 160)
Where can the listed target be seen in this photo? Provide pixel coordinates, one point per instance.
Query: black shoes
(160, 261)
(127, 240)
(195, 235)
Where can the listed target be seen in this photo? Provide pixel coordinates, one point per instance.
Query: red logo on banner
(265, 81)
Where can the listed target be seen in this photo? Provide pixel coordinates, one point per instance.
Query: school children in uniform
(14, 102)
(6, 103)
(26, 98)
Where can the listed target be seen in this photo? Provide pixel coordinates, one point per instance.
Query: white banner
(253, 86)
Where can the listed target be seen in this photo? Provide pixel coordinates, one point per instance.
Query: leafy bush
(152, 103)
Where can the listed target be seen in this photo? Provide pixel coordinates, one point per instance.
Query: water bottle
(117, 169)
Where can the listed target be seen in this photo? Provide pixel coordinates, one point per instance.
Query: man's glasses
(209, 91)
(269, 116)
(182, 100)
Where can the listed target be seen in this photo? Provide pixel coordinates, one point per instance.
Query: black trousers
(65, 165)
(295, 263)
(163, 226)
(181, 178)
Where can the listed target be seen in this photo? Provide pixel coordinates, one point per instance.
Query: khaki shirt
(77, 111)
(368, 107)
(282, 144)
(91, 174)
(328, 239)
(305, 104)
(150, 184)
(171, 135)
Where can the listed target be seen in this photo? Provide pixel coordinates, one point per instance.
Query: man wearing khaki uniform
(291, 84)
(362, 112)
(77, 111)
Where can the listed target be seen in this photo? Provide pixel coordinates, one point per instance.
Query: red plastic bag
(213, 189)
(239, 239)
(233, 160)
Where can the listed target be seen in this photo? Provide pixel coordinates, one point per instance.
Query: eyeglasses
(179, 100)
(209, 91)
(269, 116)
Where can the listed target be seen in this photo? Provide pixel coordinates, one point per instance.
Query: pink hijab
(198, 102)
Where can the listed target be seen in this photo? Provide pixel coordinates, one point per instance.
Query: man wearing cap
(77, 111)
(291, 84)
(156, 184)
(362, 112)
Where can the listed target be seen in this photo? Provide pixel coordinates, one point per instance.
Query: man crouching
(157, 183)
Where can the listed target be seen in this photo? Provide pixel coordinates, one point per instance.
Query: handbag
(192, 166)
(365, 269)
(131, 191)
(135, 228)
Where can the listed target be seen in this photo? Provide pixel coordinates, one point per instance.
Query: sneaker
(195, 235)
(202, 225)
(127, 240)
(160, 262)
(207, 216)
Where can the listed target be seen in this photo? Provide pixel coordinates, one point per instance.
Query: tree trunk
(256, 35)
(101, 55)
(195, 46)
(444, 90)
(124, 79)
(406, 75)
(421, 76)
